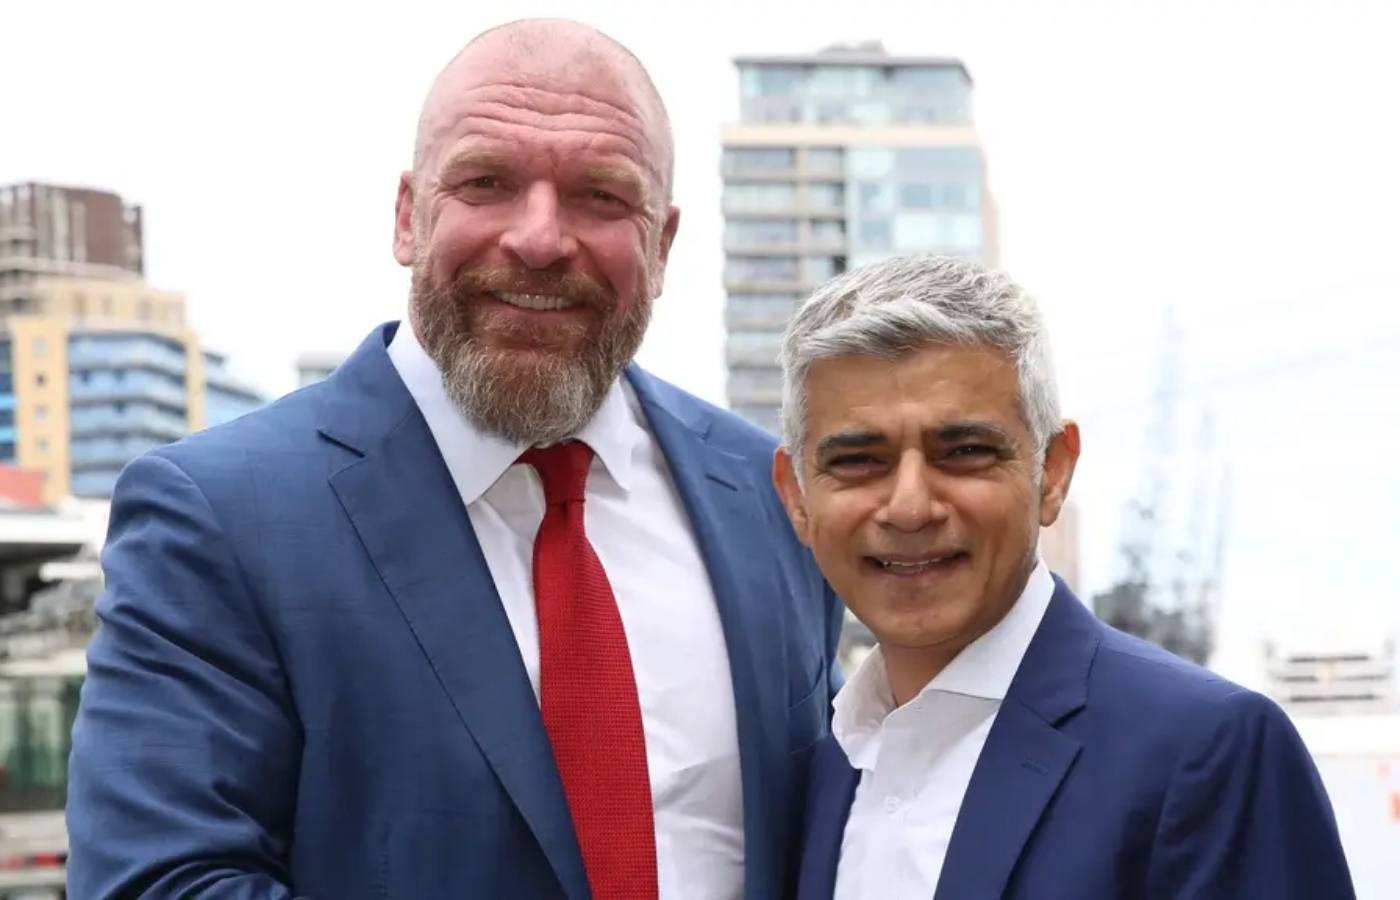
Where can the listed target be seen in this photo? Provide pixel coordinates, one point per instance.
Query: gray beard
(530, 398)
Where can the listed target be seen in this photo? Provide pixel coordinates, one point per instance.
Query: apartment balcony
(169, 396)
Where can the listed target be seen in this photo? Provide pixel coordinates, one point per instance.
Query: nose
(538, 235)
(913, 503)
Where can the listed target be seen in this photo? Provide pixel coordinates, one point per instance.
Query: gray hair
(899, 305)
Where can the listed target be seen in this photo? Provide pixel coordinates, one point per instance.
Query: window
(821, 268)
(824, 160)
(876, 197)
(826, 231)
(41, 412)
(825, 196)
(758, 159)
(915, 196)
(761, 268)
(871, 162)
(759, 311)
(770, 81)
(760, 232)
(754, 348)
(943, 160)
(41, 379)
(759, 197)
(755, 384)
(875, 234)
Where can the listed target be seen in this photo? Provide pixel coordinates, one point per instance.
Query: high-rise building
(47, 230)
(314, 367)
(96, 366)
(840, 158)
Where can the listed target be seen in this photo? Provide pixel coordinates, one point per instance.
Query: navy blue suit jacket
(1116, 771)
(304, 683)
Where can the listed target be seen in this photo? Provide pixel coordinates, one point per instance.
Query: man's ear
(790, 492)
(668, 237)
(403, 221)
(1060, 458)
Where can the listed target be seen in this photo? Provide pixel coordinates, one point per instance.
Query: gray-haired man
(1001, 742)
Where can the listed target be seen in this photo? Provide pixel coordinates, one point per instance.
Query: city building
(47, 230)
(840, 158)
(96, 366)
(314, 367)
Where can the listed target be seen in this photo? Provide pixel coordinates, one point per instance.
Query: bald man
(491, 612)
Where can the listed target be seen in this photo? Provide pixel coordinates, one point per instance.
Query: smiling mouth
(536, 302)
(915, 566)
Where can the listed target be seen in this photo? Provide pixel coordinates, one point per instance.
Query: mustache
(572, 286)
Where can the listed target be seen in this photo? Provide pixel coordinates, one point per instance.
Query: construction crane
(1166, 589)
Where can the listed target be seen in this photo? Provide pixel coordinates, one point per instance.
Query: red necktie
(588, 696)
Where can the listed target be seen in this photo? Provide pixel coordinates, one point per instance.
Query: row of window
(126, 350)
(765, 196)
(107, 451)
(769, 311)
(816, 80)
(777, 232)
(806, 269)
(757, 160)
(123, 416)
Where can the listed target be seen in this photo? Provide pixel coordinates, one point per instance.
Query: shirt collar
(477, 459)
(985, 668)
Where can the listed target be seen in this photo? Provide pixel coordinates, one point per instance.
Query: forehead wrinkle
(563, 96)
(648, 146)
(553, 125)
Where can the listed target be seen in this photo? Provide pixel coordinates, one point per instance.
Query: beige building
(96, 372)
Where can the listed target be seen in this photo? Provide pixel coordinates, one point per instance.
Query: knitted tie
(588, 696)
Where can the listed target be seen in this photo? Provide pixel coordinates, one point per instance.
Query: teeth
(542, 302)
(912, 566)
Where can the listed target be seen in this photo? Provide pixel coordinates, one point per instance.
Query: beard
(530, 383)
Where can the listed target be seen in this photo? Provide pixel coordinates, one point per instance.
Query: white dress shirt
(915, 761)
(639, 529)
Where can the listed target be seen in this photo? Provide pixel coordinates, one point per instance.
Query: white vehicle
(38, 700)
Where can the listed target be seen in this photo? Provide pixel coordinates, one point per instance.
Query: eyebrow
(950, 433)
(850, 440)
(965, 431)
(624, 177)
(475, 158)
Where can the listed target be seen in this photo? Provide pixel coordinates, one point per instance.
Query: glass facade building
(85, 387)
(841, 158)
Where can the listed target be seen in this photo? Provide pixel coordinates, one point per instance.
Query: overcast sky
(1235, 161)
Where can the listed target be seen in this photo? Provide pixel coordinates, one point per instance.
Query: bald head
(541, 51)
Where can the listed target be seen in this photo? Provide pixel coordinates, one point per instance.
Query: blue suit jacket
(304, 683)
(1115, 770)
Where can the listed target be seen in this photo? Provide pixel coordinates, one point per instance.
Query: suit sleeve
(185, 748)
(1246, 815)
(835, 619)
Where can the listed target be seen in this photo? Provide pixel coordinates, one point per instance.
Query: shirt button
(891, 805)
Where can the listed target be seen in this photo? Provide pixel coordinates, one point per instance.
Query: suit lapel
(729, 520)
(829, 798)
(403, 504)
(1026, 757)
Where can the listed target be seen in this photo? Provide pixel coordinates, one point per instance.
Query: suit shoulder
(1141, 672)
(277, 430)
(727, 430)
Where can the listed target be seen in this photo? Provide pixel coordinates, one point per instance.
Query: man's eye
(972, 453)
(851, 461)
(482, 183)
(606, 198)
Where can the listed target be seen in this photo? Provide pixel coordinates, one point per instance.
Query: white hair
(900, 305)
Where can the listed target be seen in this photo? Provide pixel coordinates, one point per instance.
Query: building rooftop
(861, 53)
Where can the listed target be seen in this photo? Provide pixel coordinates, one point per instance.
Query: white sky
(1234, 160)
